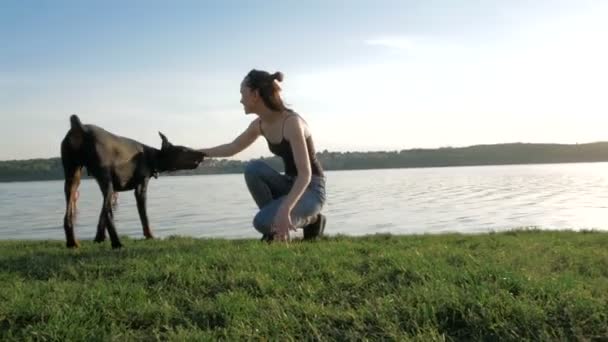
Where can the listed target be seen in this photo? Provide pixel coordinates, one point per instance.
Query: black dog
(118, 164)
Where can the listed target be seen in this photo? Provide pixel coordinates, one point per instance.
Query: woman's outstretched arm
(241, 142)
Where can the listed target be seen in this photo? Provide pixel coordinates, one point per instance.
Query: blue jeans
(269, 188)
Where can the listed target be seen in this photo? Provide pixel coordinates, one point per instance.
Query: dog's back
(92, 146)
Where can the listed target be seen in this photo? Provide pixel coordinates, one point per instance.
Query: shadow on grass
(91, 259)
(46, 260)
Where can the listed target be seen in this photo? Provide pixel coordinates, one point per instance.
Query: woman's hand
(282, 224)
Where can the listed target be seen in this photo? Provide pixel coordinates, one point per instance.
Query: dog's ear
(166, 142)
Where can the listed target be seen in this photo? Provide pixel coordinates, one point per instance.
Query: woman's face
(249, 98)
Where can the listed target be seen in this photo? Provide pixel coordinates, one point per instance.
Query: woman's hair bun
(277, 76)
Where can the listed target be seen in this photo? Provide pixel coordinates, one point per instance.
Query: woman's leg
(304, 212)
(265, 183)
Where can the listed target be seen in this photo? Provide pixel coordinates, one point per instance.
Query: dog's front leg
(140, 198)
(101, 227)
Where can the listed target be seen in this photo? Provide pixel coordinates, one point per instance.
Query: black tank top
(283, 150)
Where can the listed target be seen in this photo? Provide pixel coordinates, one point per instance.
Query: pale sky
(366, 75)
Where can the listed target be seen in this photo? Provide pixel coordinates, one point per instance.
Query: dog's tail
(76, 124)
(75, 136)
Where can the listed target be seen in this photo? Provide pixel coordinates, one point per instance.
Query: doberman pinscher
(118, 164)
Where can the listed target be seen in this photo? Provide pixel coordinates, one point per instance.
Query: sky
(365, 75)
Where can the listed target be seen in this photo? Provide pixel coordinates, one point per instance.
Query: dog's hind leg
(72, 181)
(140, 198)
(71, 159)
(106, 217)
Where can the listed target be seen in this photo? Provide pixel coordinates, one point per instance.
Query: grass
(530, 285)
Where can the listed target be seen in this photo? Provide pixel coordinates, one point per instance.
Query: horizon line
(375, 151)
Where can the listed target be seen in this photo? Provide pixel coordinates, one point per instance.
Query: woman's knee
(255, 169)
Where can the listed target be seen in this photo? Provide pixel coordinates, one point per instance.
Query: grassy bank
(527, 284)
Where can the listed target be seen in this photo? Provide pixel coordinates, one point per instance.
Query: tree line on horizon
(499, 154)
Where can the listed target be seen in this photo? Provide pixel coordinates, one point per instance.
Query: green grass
(534, 285)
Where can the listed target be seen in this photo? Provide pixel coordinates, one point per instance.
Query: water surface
(398, 201)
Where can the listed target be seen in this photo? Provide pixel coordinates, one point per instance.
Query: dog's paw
(148, 234)
(73, 244)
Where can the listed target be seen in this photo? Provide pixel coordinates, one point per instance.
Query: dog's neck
(153, 160)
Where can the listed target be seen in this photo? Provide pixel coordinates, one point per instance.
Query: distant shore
(499, 154)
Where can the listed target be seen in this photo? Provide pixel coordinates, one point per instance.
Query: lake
(398, 201)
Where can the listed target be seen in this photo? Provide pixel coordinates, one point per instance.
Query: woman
(289, 200)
